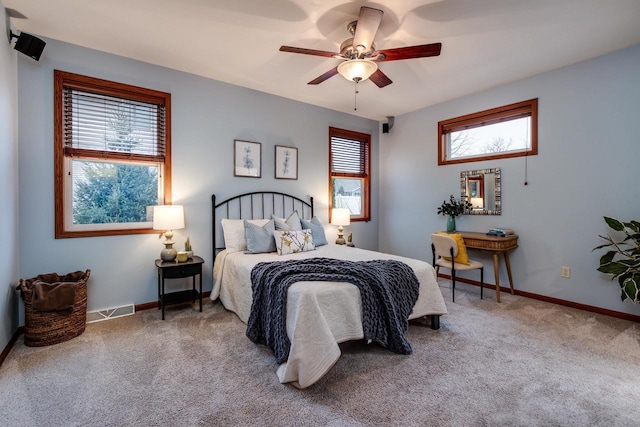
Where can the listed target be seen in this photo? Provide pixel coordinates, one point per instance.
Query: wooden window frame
(64, 80)
(522, 109)
(366, 176)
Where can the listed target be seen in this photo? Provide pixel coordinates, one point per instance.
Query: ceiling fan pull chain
(355, 96)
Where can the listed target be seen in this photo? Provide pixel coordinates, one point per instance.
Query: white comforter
(319, 314)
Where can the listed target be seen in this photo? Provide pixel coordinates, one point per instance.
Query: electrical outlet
(565, 272)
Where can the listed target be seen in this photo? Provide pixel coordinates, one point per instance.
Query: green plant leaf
(614, 268)
(601, 246)
(614, 223)
(631, 289)
(621, 280)
(626, 268)
(607, 258)
(453, 207)
(632, 226)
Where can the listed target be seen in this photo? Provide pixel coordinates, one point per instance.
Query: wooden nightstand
(179, 270)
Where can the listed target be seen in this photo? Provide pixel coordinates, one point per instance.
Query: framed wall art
(247, 159)
(286, 162)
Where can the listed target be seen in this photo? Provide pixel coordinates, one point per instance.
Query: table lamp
(168, 218)
(340, 217)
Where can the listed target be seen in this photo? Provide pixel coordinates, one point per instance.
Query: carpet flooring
(518, 363)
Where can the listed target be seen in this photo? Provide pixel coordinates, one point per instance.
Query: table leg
(506, 261)
(496, 272)
(193, 289)
(200, 292)
(159, 301)
(162, 301)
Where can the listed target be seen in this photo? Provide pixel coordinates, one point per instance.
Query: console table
(496, 245)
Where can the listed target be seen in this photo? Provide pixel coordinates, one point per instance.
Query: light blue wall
(9, 188)
(589, 147)
(586, 138)
(207, 116)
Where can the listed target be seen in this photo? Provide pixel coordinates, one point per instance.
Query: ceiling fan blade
(308, 51)
(380, 79)
(367, 27)
(332, 72)
(408, 52)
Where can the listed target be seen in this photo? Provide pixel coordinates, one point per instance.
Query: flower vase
(451, 224)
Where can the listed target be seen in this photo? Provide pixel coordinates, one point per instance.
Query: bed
(320, 314)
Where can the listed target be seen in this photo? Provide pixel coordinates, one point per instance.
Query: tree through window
(508, 131)
(112, 156)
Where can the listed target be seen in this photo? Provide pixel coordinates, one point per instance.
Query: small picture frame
(247, 159)
(286, 166)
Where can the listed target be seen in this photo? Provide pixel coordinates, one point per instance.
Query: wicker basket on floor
(51, 327)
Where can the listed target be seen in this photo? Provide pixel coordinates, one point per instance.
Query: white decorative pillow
(260, 239)
(291, 242)
(291, 223)
(233, 230)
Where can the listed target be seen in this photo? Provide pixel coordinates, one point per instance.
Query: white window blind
(96, 125)
(348, 156)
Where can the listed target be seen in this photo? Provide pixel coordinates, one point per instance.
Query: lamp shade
(357, 69)
(168, 217)
(340, 216)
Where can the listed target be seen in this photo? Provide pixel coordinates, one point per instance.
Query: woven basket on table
(52, 327)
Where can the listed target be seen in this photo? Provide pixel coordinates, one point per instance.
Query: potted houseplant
(452, 209)
(187, 248)
(622, 260)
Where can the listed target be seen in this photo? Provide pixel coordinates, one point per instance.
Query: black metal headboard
(256, 205)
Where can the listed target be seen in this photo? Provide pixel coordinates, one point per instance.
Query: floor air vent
(110, 313)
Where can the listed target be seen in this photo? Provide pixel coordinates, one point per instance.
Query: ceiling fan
(359, 53)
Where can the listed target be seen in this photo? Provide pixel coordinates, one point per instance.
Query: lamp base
(168, 254)
(340, 240)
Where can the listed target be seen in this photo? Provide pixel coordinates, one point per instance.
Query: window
(112, 156)
(509, 131)
(349, 168)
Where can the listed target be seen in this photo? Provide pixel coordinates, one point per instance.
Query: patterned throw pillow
(291, 242)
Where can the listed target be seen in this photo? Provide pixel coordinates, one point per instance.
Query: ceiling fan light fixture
(356, 70)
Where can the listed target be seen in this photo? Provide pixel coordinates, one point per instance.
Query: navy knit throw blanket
(388, 289)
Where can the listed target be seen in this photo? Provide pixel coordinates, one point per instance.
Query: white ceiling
(485, 43)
